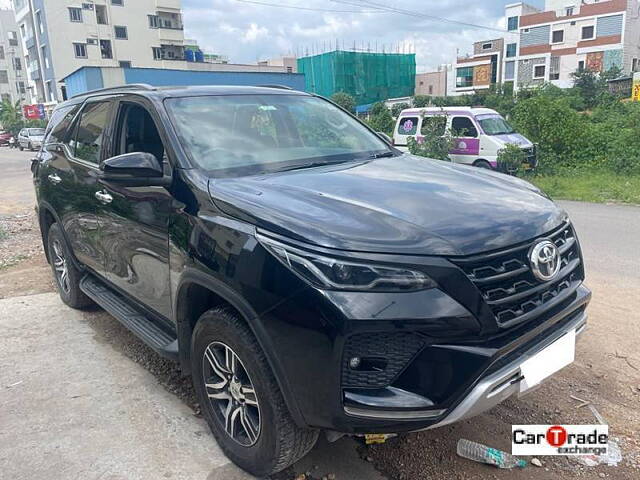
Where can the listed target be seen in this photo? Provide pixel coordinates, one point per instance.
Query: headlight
(330, 273)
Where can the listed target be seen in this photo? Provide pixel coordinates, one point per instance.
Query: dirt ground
(606, 374)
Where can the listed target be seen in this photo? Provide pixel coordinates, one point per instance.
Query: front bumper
(490, 390)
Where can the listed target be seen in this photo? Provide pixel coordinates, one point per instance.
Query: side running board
(145, 328)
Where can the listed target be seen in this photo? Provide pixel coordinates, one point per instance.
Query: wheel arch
(197, 293)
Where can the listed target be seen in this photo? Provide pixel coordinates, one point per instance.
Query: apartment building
(567, 35)
(433, 84)
(570, 35)
(13, 79)
(61, 36)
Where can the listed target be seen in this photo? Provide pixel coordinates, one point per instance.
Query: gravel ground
(19, 238)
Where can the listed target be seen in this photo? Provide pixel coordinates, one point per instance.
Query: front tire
(240, 397)
(67, 276)
(483, 164)
(21, 148)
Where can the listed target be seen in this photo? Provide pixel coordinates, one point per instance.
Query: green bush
(380, 119)
(510, 159)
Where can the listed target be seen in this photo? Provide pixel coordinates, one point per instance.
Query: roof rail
(131, 86)
(281, 87)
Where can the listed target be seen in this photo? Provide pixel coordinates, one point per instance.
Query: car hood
(513, 138)
(406, 204)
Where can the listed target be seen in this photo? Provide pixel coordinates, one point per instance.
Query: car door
(467, 142)
(70, 178)
(135, 221)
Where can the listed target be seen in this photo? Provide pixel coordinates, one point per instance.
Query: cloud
(248, 32)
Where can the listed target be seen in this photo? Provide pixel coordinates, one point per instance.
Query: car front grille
(508, 286)
(382, 357)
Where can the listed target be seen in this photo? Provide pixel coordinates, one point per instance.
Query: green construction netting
(368, 77)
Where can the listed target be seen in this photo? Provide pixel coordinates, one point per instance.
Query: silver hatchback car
(30, 138)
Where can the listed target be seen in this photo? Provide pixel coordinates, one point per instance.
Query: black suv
(308, 275)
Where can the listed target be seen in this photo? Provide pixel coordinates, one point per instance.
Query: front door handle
(104, 198)
(55, 179)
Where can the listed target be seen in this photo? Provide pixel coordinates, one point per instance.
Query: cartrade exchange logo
(559, 439)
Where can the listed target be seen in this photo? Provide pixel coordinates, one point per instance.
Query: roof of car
(469, 110)
(185, 91)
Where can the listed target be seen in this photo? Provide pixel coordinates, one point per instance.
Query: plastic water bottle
(483, 454)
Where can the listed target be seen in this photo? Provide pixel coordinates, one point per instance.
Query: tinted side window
(463, 127)
(90, 132)
(408, 126)
(59, 124)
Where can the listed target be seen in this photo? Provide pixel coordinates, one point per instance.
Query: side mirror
(135, 169)
(385, 137)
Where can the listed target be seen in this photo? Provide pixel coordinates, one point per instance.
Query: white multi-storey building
(13, 78)
(549, 45)
(61, 36)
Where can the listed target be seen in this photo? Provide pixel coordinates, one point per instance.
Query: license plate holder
(548, 361)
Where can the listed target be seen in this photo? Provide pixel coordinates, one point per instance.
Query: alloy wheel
(60, 267)
(231, 393)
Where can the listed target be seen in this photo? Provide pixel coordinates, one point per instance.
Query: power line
(412, 13)
(295, 7)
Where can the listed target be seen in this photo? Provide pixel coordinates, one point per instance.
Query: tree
(397, 109)
(421, 101)
(381, 119)
(345, 100)
(435, 140)
(11, 117)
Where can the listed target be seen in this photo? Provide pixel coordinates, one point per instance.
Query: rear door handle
(55, 179)
(104, 198)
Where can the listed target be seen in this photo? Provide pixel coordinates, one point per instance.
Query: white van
(485, 134)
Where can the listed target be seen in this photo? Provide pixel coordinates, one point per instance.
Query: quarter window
(408, 126)
(463, 127)
(90, 133)
(75, 14)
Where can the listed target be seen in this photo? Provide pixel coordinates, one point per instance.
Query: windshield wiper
(309, 165)
(383, 155)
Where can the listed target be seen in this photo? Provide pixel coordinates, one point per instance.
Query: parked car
(309, 276)
(4, 138)
(30, 138)
(481, 133)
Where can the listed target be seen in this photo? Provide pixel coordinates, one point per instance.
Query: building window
(512, 49)
(289, 69)
(17, 64)
(21, 88)
(1, 52)
(157, 53)
(125, 63)
(4, 76)
(80, 50)
(13, 39)
(588, 32)
(487, 46)
(154, 21)
(634, 65)
(557, 36)
(539, 71)
(509, 70)
(581, 65)
(464, 77)
(121, 32)
(568, 11)
(87, 6)
(101, 15)
(554, 76)
(512, 23)
(120, 3)
(75, 14)
(430, 89)
(45, 57)
(105, 49)
(39, 22)
(92, 41)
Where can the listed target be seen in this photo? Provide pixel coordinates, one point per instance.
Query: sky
(247, 32)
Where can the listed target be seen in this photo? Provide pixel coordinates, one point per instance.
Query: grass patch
(585, 186)
(3, 234)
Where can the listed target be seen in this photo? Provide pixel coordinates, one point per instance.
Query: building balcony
(29, 42)
(171, 35)
(169, 4)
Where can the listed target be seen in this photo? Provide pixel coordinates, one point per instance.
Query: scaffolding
(368, 77)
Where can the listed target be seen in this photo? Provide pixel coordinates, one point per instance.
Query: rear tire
(67, 277)
(247, 396)
(483, 164)
(30, 147)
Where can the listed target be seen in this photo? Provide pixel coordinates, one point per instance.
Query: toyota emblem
(545, 260)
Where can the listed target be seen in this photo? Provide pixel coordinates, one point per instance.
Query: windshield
(36, 132)
(250, 134)
(495, 125)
